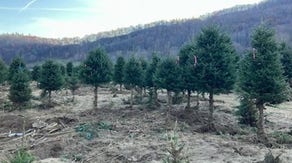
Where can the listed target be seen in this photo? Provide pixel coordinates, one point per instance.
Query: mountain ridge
(163, 37)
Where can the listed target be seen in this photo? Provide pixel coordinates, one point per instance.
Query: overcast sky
(70, 18)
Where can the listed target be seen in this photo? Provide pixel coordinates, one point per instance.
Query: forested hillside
(162, 37)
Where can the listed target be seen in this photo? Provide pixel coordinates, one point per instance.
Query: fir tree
(96, 70)
(73, 84)
(16, 65)
(119, 71)
(286, 59)
(51, 78)
(261, 75)
(149, 79)
(190, 73)
(69, 68)
(36, 73)
(247, 112)
(20, 91)
(133, 75)
(216, 63)
(3, 72)
(168, 76)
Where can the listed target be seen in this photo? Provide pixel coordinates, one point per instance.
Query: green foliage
(216, 61)
(62, 69)
(144, 66)
(119, 71)
(20, 91)
(133, 72)
(73, 84)
(175, 151)
(36, 73)
(270, 158)
(286, 59)
(3, 71)
(151, 69)
(190, 73)
(22, 156)
(247, 112)
(69, 68)
(282, 137)
(168, 75)
(90, 130)
(96, 69)
(51, 77)
(16, 65)
(261, 74)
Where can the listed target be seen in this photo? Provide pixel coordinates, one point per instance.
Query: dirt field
(73, 132)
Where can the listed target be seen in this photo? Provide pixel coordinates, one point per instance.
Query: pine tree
(51, 78)
(286, 59)
(216, 63)
(20, 91)
(144, 66)
(247, 112)
(16, 65)
(96, 70)
(119, 71)
(261, 75)
(149, 79)
(133, 75)
(73, 84)
(63, 69)
(36, 73)
(3, 72)
(168, 76)
(69, 68)
(190, 73)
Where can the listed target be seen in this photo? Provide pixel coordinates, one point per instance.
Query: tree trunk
(73, 94)
(120, 87)
(155, 96)
(211, 125)
(95, 97)
(189, 100)
(131, 102)
(198, 100)
(169, 106)
(50, 92)
(260, 125)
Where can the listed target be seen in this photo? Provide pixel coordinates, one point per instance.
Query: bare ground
(138, 134)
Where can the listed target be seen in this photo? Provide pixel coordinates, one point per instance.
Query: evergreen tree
(20, 91)
(261, 75)
(96, 70)
(16, 65)
(286, 59)
(168, 76)
(190, 73)
(144, 66)
(73, 84)
(3, 72)
(133, 75)
(216, 63)
(119, 71)
(63, 70)
(247, 112)
(149, 79)
(69, 68)
(36, 73)
(51, 78)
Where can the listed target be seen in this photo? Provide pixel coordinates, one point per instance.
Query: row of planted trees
(207, 65)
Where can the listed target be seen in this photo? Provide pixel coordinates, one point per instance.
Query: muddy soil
(121, 134)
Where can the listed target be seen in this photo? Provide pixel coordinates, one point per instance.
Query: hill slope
(164, 37)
